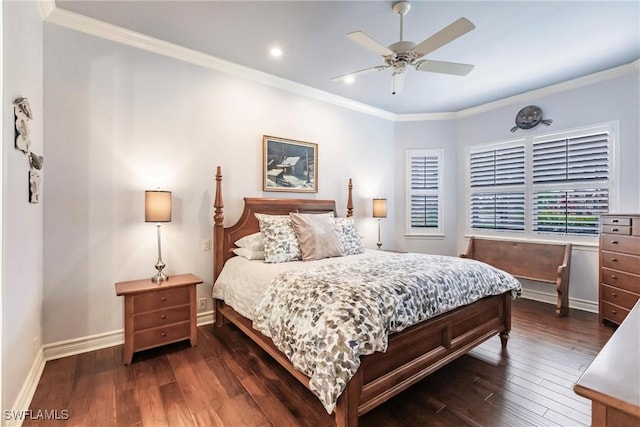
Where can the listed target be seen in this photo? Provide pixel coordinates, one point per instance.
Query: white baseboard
(66, 348)
(21, 405)
(578, 304)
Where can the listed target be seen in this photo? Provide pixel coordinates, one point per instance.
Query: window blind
(498, 211)
(563, 168)
(424, 188)
(494, 207)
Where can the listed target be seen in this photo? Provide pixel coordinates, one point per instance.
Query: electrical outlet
(206, 245)
(202, 304)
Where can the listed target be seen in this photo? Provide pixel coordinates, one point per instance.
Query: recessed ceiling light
(349, 79)
(276, 52)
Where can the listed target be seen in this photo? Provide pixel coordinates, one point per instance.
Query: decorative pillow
(254, 241)
(316, 235)
(280, 243)
(348, 235)
(248, 253)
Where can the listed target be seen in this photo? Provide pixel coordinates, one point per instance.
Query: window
(424, 186)
(497, 187)
(556, 184)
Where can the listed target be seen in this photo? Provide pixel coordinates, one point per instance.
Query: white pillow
(280, 243)
(348, 235)
(254, 242)
(248, 253)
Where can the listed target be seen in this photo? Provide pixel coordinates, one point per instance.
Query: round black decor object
(529, 117)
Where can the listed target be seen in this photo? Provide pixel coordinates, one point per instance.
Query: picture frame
(289, 165)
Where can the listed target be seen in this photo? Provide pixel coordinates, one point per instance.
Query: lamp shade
(157, 206)
(379, 208)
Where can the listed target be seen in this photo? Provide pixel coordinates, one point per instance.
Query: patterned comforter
(325, 318)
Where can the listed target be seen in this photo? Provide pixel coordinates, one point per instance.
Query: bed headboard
(224, 237)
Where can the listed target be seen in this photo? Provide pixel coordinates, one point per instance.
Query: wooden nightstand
(157, 314)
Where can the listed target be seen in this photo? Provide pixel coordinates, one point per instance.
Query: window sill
(424, 236)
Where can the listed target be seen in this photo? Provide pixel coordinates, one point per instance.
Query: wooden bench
(542, 262)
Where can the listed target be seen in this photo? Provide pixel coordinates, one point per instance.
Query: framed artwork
(289, 165)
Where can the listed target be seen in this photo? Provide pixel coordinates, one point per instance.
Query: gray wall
(616, 99)
(21, 221)
(121, 120)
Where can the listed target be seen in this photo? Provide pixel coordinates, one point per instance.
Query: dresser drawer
(613, 312)
(616, 220)
(619, 261)
(161, 317)
(619, 297)
(160, 299)
(615, 243)
(619, 279)
(617, 229)
(162, 335)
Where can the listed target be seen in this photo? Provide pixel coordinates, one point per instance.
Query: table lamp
(157, 208)
(379, 211)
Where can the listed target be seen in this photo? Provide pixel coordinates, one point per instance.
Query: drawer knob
(614, 312)
(613, 294)
(614, 229)
(163, 316)
(614, 242)
(614, 259)
(163, 298)
(614, 277)
(615, 221)
(164, 334)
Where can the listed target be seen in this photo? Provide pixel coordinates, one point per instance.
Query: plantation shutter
(425, 187)
(497, 200)
(571, 183)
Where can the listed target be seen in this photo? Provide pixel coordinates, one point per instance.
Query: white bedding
(243, 283)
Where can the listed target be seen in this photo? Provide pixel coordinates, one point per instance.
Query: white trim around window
(549, 186)
(424, 193)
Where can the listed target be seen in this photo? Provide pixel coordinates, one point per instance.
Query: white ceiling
(517, 46)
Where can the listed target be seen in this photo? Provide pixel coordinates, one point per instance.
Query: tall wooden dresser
(619, 266)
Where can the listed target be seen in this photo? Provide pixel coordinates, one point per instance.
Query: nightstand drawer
(623, 262)
(626, 244)
(160, 299)
(628, 282)
(161, 317)
(619, 297)
(162, 335)
(616, 229)
(615, 220)
(613, 312)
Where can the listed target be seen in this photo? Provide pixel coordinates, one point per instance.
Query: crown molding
(525, 97)
(121, 35)
(46, 7)
(77, 22)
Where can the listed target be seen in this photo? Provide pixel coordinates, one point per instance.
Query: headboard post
(218, 229)
(350, 200)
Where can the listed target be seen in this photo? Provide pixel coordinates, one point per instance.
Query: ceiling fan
(403, 53)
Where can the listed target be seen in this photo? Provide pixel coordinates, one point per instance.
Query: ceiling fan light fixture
(404, 53)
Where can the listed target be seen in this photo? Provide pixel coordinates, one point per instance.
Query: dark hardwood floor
(229, 381)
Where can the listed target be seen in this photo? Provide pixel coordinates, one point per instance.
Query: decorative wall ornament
(22, 112)
(529, 117)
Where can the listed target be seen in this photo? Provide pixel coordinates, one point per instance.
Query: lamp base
(160, 276)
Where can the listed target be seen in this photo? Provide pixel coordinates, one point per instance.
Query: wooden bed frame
(411, 355)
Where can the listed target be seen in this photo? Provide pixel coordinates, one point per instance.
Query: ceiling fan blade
(444, 67)
(364, 40)
(397, 82)
(449, 33)
(361, 72)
